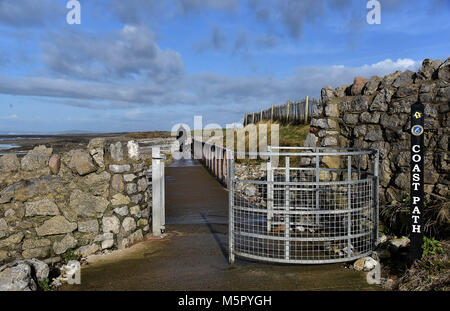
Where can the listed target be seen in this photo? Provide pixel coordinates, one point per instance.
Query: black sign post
(417, 169)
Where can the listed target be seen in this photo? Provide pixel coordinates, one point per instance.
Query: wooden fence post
(253, 119)
(246, 118)
(271, 115)
(288, 110)
(306, 109)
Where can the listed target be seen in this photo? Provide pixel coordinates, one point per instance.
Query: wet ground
(194, 254)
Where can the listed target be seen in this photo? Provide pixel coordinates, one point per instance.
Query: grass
(148, 135)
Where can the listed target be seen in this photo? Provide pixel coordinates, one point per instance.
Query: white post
(270, 202)
(158, 214)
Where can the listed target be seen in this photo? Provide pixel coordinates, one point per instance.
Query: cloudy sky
(140, 65)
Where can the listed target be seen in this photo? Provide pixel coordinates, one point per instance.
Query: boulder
(428, 69)
(111, 224)
(26, 190)
(87, 205)
(96, 149)
(36, 159)
(404, 78)
(43, 207)
(358, 85)
(444, 71)
(371, 86)
(56, 225)
(66, 243)
(9, 163)
(81, 163)
(55, 164)
(19, 275)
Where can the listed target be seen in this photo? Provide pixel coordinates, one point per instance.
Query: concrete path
(194, 256)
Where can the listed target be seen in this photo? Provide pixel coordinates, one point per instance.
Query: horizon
(148, 65)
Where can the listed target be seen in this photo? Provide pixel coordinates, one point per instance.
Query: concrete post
(158, 208)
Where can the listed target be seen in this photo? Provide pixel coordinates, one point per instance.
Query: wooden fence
(289, 113)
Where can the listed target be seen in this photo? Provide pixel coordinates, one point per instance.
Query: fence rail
(289, 113)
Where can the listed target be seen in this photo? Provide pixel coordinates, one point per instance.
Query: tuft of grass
(46, 285)
(71, 255)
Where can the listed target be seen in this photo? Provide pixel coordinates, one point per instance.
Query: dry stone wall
(375, 113)
(84, 201)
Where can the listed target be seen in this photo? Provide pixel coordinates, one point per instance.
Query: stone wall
(375, 113)
(85, 201)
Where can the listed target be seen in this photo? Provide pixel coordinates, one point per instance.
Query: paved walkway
(194, 256)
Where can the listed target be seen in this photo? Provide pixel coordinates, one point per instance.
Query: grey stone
(320, 123)
(38, 252)
(66, 243)
(87, 205)
(88, 250)
(374, 134)
(311, 140)
(12, 240)
(329, 141)
(381, 100)
(135, 237)
(36, 159)
(55, 164)
(104, 237)
(404, 78)
(17, 277)
(43, 207)
(360, 103)
(444, 71)
(368, 117)
(142, 223)
(129, 177)
(399, 242)
(122, 211)
(41, 269)
(111, 224)
(142, 184)
(81, 162)
(351, 119)
(406, 90)
(428, 68)
(97, 150)
(136, 199)
(131, 188)
(107, 244)
(402, 181)
(360, 130)
(119, 168)
(3, 225)
(133, 150)
(129, 224)
(9, 163)
(372, 85)
(120, 199)
(24, 191)
(340, 90)
(98, 184)
(327, 93)
(117, 183)
(56, 225)
(35, 243)
(331, 110)
(116, 151)
(88, 226)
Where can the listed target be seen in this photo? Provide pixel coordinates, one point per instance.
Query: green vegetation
(431, 247)
(46, 285)
(71, 255)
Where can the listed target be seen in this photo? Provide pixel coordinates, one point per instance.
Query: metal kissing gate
(318, 205)
(158, 192)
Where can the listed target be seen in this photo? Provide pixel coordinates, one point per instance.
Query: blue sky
(141, 65)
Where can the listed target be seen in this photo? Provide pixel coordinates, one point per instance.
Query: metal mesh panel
(309, 214)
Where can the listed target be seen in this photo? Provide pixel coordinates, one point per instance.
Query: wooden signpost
(417, 188)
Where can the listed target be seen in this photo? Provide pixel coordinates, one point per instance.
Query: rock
(97, 150)
(332, 110)
(98, 184)
(66, 243)
(381, 100)
(129, 224)
(359, 264)
(136, 199)
(35, 243)
(340, 90)
(120, 199)
(133, 150)
(55, 164)
(9, 163)
(351, 118)
(444, 71)
(88, 250)
(122, 211)
(107, 244)
(327, 93)
(131, 188)
(320, 123)
(39, 252)
(119, 168)
(402, 181)
(358, 85)
(329, 141)
(87, 205)
(311, 140)
(104, 237)
(142, 184)
(142, 223)
(399, 242)
(136, 237)
(117, 183)
(116, 151)
(3, 225)
(129, 177)
(404, 78)
(111, 224)
(428, 69)
(332, 162)
(360, 130)
(36, 159)
(374, 134)
(135, 211)
(43, 207)
(371, 86)
(81, 163)
(17, 277)
(56, 225)
(12, 240)
(88, 226)
(405, 91)
(369, 263)
(24, 191)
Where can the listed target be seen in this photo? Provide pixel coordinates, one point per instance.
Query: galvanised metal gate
(317, 205)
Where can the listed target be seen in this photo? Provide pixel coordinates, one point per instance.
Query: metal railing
(309, 206)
